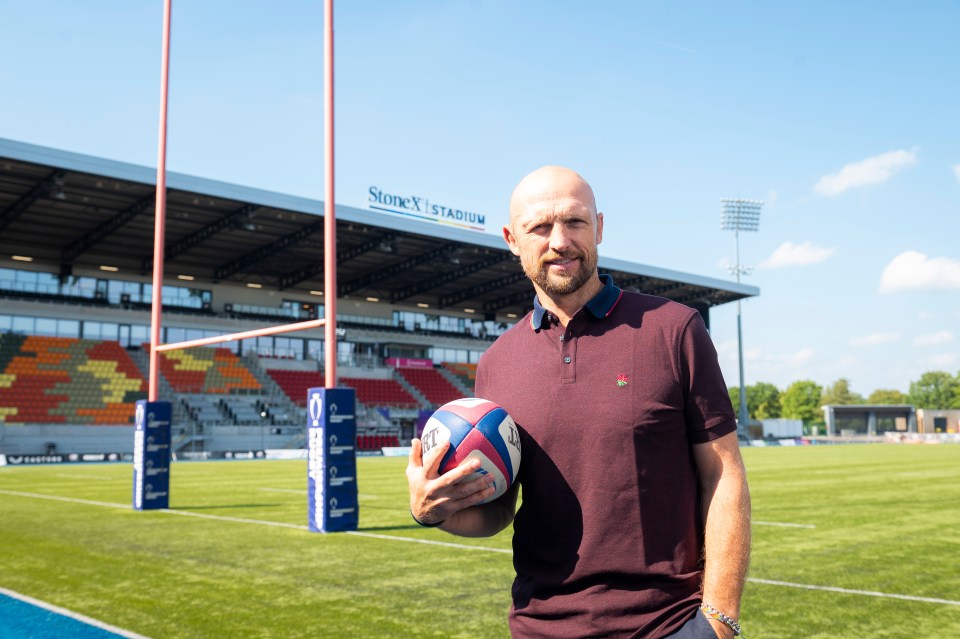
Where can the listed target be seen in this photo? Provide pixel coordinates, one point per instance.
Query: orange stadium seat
(466, 373)
(67, 380)
(206, 370)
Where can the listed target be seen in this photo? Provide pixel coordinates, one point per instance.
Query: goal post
(331, 411)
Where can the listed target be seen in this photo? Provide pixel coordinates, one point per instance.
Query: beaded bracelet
(433, 525)
(729, 622)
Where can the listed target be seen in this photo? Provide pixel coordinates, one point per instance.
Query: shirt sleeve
(708, 412)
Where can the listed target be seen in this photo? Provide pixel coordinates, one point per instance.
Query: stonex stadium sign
(422, 209)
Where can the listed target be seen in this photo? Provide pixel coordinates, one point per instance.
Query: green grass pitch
(847, 520)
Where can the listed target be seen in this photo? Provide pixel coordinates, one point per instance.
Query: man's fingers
(415, 458)
(431, 460)
(471, 488)
(466, 468)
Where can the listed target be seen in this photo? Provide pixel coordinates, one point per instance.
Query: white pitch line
(848, 591)
(781, 524)
(237, 520)
(86, 477)
(73, 500)
(446, 544)
(71, 614)
(430, 542)
(304, 492)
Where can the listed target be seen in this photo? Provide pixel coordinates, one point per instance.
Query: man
(635, 519)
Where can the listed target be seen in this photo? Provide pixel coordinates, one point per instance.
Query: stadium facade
(419, 300)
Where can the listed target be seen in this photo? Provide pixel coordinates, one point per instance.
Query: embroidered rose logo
(622, 380)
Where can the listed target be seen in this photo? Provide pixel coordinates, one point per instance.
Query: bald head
(554, 229)
(550, 184)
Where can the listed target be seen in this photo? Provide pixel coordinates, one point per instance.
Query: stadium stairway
(186, 431)
(465, 375)
(410, 388)
(436, 388)
(456, 380)
(275, 396)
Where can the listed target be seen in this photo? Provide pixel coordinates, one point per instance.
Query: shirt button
(561, 338)
(566, 360)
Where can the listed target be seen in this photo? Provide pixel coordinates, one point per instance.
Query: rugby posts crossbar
(232, 337)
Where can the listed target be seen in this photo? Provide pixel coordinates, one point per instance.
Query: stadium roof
(66, 210)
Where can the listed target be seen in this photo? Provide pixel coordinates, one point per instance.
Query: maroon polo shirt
(608, 538)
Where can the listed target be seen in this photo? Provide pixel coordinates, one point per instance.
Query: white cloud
(933, 339)
(914, 271)
(873, 170)
(874, 339)
(771, 200)
(956, 171)
(943, 361)
(790, 254)
(758, 355)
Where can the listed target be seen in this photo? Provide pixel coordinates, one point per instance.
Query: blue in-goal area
(30, 619)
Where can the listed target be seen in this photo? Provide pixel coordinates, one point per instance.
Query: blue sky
(841, 117)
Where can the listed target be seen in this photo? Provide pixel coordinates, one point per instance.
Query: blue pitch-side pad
(22, 620)
(332, 495)
(151, 455)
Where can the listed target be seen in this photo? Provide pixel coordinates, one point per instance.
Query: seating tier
(67, 380)
(206, 370)
(435, 387)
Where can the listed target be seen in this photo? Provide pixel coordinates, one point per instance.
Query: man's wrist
(721, 630)
(723, 624)
(425, 524)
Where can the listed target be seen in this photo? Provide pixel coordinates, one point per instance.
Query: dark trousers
(697, 628)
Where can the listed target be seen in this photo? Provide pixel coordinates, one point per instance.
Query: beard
(538, 270)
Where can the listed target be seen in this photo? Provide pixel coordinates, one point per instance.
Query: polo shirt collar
(600, 306)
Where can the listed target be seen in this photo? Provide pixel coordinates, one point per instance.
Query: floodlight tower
(740, 215)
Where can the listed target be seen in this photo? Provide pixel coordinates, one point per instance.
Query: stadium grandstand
(418, 303)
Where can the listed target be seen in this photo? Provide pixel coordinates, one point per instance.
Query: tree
(886, 397)
(801, 400)
(734, 392)
(839, 393)
(763, 400)
(935, 389)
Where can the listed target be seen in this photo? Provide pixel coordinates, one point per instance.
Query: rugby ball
(476, 429)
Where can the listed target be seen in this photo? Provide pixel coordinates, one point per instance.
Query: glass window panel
(68, 328)
(47, 283)
(6, 322)
(139, 334)
(45, 326)
(114, 290)
(109, 330)
(22, 324)
(91, 330)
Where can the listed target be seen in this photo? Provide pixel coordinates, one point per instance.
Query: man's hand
(435, 497)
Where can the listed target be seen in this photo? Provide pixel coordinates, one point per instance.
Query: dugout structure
(869, 419)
